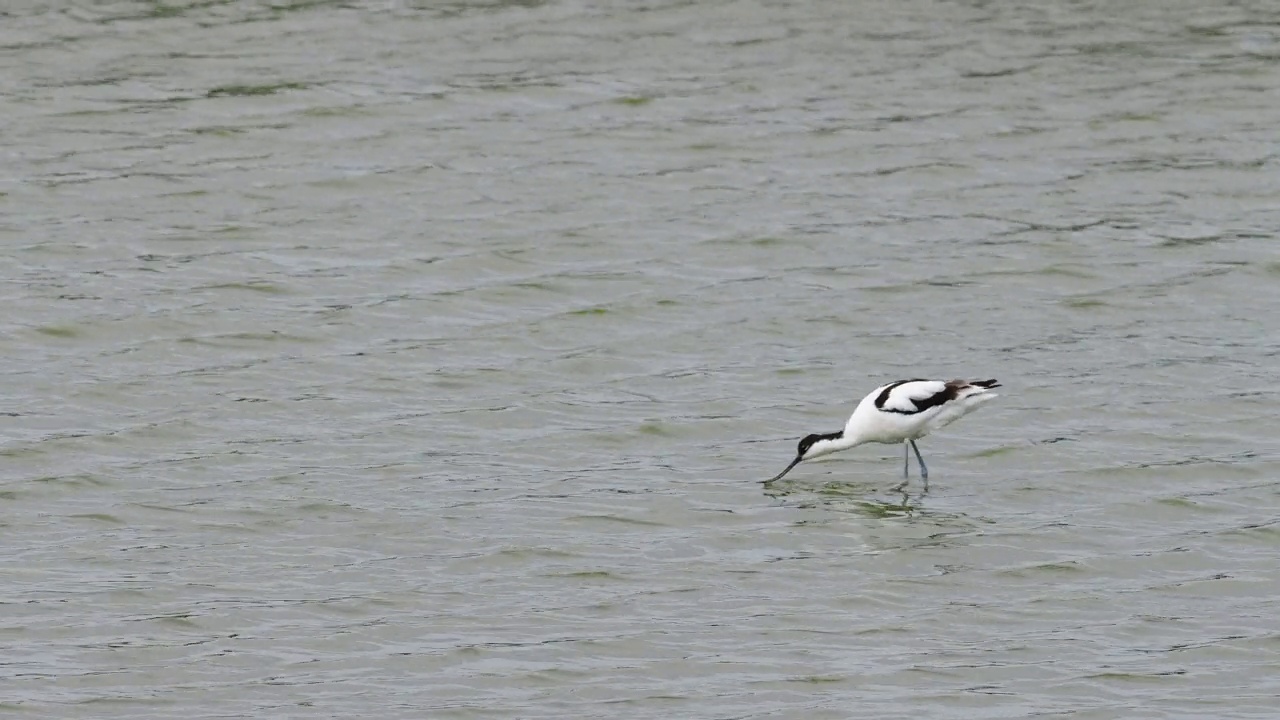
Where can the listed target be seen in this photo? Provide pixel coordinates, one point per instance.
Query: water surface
(415, 359)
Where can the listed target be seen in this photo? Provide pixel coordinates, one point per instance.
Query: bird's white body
(900, 412)
(869, 423)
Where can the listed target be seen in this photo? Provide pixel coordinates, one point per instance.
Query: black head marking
(805, 443)
(808, 440)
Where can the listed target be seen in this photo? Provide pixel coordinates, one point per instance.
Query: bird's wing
(909, 397)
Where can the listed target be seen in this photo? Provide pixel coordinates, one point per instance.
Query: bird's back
(910, 409)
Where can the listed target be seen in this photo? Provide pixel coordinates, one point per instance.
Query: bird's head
(810, 447)
(815, 445)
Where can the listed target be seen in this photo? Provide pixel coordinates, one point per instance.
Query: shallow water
(423, 360)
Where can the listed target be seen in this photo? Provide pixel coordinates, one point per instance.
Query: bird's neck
(845, 440)
(839, 440)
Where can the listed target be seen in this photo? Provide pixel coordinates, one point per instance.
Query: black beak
(784, 472)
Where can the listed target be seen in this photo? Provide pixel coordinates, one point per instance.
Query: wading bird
(900, 412)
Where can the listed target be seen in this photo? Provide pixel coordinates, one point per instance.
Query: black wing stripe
(946, 395)
(884, 394)
(941, 397)
(949, 392)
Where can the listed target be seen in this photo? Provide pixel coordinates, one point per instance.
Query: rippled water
(418, 359)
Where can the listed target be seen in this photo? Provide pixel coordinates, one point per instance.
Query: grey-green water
(418, 359)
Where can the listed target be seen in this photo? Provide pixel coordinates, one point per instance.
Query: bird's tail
(969, 395)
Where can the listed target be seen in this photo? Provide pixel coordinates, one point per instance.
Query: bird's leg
(924, 471)
(906, 469)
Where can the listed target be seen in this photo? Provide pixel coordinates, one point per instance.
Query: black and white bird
(900, 412)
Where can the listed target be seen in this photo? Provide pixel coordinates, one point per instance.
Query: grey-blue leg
(924, 471)
(906, 469)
